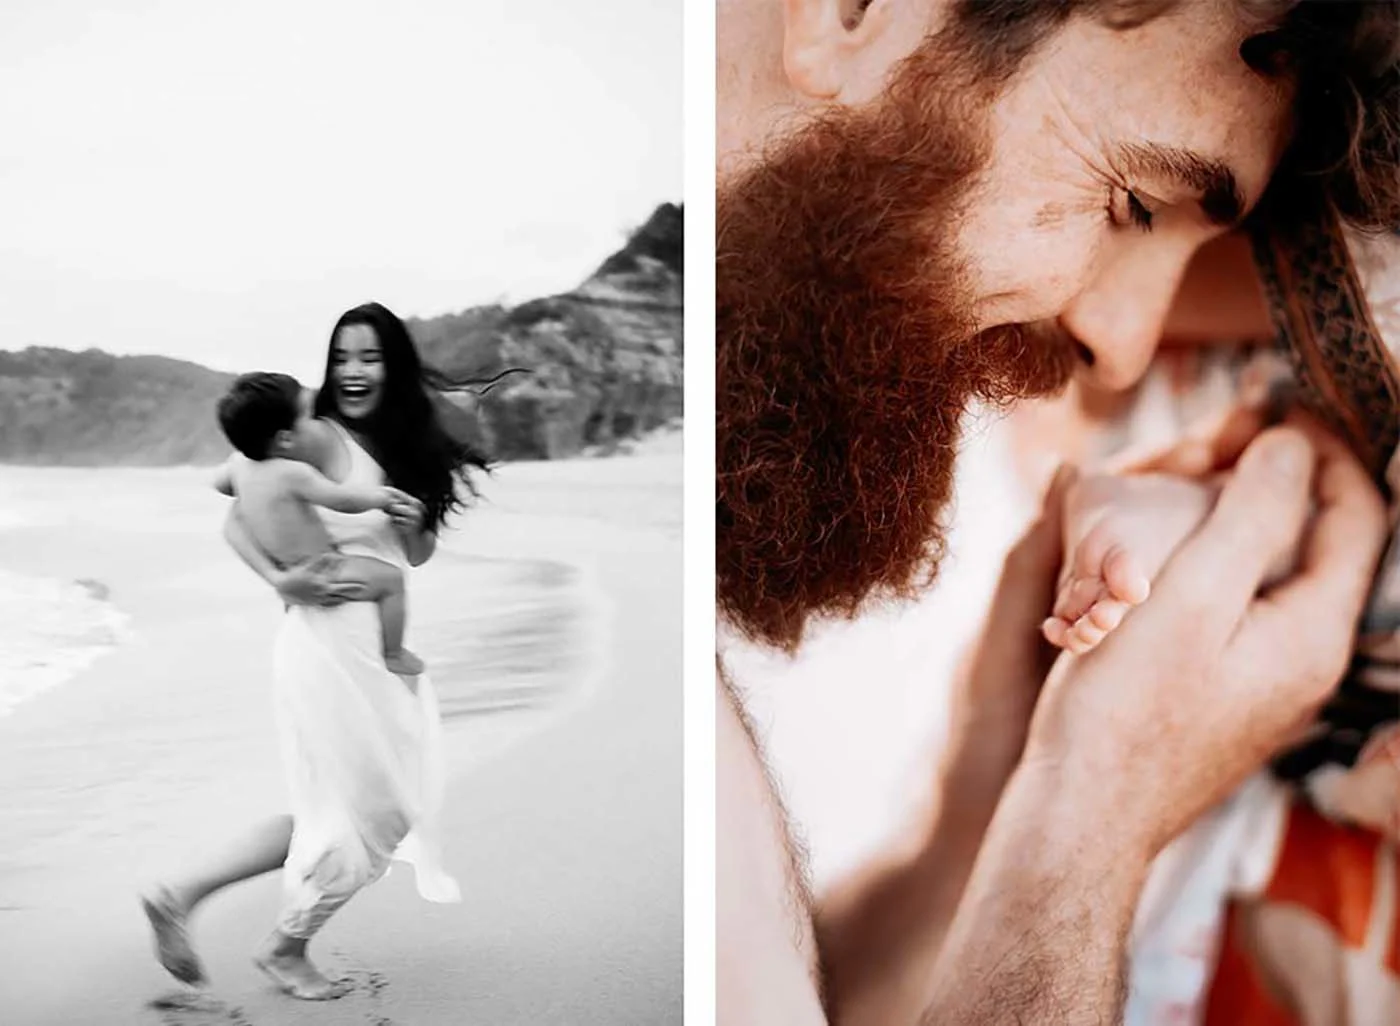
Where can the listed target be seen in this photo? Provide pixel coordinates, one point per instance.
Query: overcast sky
(219, 179)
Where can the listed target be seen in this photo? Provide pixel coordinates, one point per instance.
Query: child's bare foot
(1119, 533)
(172, 940)
(287, 965)
(403, 662)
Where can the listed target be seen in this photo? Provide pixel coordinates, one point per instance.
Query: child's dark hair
(255, 408)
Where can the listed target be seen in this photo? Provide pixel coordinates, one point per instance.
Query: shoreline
(661, 443)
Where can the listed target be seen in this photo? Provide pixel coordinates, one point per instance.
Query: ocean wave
(53, 630)
(520, 641)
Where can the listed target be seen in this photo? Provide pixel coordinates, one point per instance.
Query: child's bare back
(272, 503)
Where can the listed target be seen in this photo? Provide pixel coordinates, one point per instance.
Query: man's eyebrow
(1220, 197)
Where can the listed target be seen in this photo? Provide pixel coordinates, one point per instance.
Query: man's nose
(1119, 318)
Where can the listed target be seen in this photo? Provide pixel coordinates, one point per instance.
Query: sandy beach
(551, 622)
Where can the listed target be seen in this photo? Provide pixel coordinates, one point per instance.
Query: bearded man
(928, 203)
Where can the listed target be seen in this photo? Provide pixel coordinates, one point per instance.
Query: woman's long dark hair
(405, 432)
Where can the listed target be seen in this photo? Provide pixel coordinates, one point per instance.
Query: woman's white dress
(363, 753)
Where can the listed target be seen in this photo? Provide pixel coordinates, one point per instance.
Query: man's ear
(824, 39)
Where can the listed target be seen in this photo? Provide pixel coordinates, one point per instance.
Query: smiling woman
(362, 752)
(377, 387)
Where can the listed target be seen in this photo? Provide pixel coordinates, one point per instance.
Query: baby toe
(1093, 547)
(1083, 636)
(1055, 631)
(1106, 614)
(1078, 597)
(1123, 574)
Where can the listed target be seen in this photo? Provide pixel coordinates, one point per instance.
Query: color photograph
(1057, 394)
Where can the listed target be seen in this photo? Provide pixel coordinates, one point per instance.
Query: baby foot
(1119, 533)
(403, 662)
(172, 939)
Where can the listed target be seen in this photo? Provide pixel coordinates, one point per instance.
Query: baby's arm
(320, 490)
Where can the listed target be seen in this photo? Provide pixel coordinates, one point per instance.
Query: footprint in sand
(367, 985)
(192, 1008)
(363, 988)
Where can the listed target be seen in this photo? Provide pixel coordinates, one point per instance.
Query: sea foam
(50, 630)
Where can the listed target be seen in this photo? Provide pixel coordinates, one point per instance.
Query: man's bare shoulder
(766, 961)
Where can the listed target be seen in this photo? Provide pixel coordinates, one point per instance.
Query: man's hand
(1208, 679)
(1134, 740)
(997, 690)
(880, 929)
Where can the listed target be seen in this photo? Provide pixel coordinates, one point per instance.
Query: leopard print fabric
(1334, 298)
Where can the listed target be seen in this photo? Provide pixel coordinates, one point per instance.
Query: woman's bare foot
(172, 940)
(403, 662)
(284, 960)
(1119, 533)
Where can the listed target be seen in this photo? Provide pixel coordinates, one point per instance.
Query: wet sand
(551, 623)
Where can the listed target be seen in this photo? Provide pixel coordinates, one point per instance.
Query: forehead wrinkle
(1050, 215)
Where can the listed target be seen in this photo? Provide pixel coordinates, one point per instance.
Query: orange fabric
(1328, 869)
(1323, 867)
(1392, 957)
(1237, 997)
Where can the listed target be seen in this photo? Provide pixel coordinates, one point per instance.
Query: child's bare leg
(384, 585)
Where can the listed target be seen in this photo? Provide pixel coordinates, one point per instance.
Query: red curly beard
(847, 354)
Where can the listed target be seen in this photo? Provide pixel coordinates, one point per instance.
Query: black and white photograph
(341, 404)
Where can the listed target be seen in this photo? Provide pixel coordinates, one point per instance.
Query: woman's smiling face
(357, 371)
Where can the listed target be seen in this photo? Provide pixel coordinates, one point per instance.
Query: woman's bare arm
(410, 519)
(418, 546)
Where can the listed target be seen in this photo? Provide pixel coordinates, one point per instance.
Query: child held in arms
(268, 419)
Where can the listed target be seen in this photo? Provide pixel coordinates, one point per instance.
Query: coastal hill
(591, 368)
